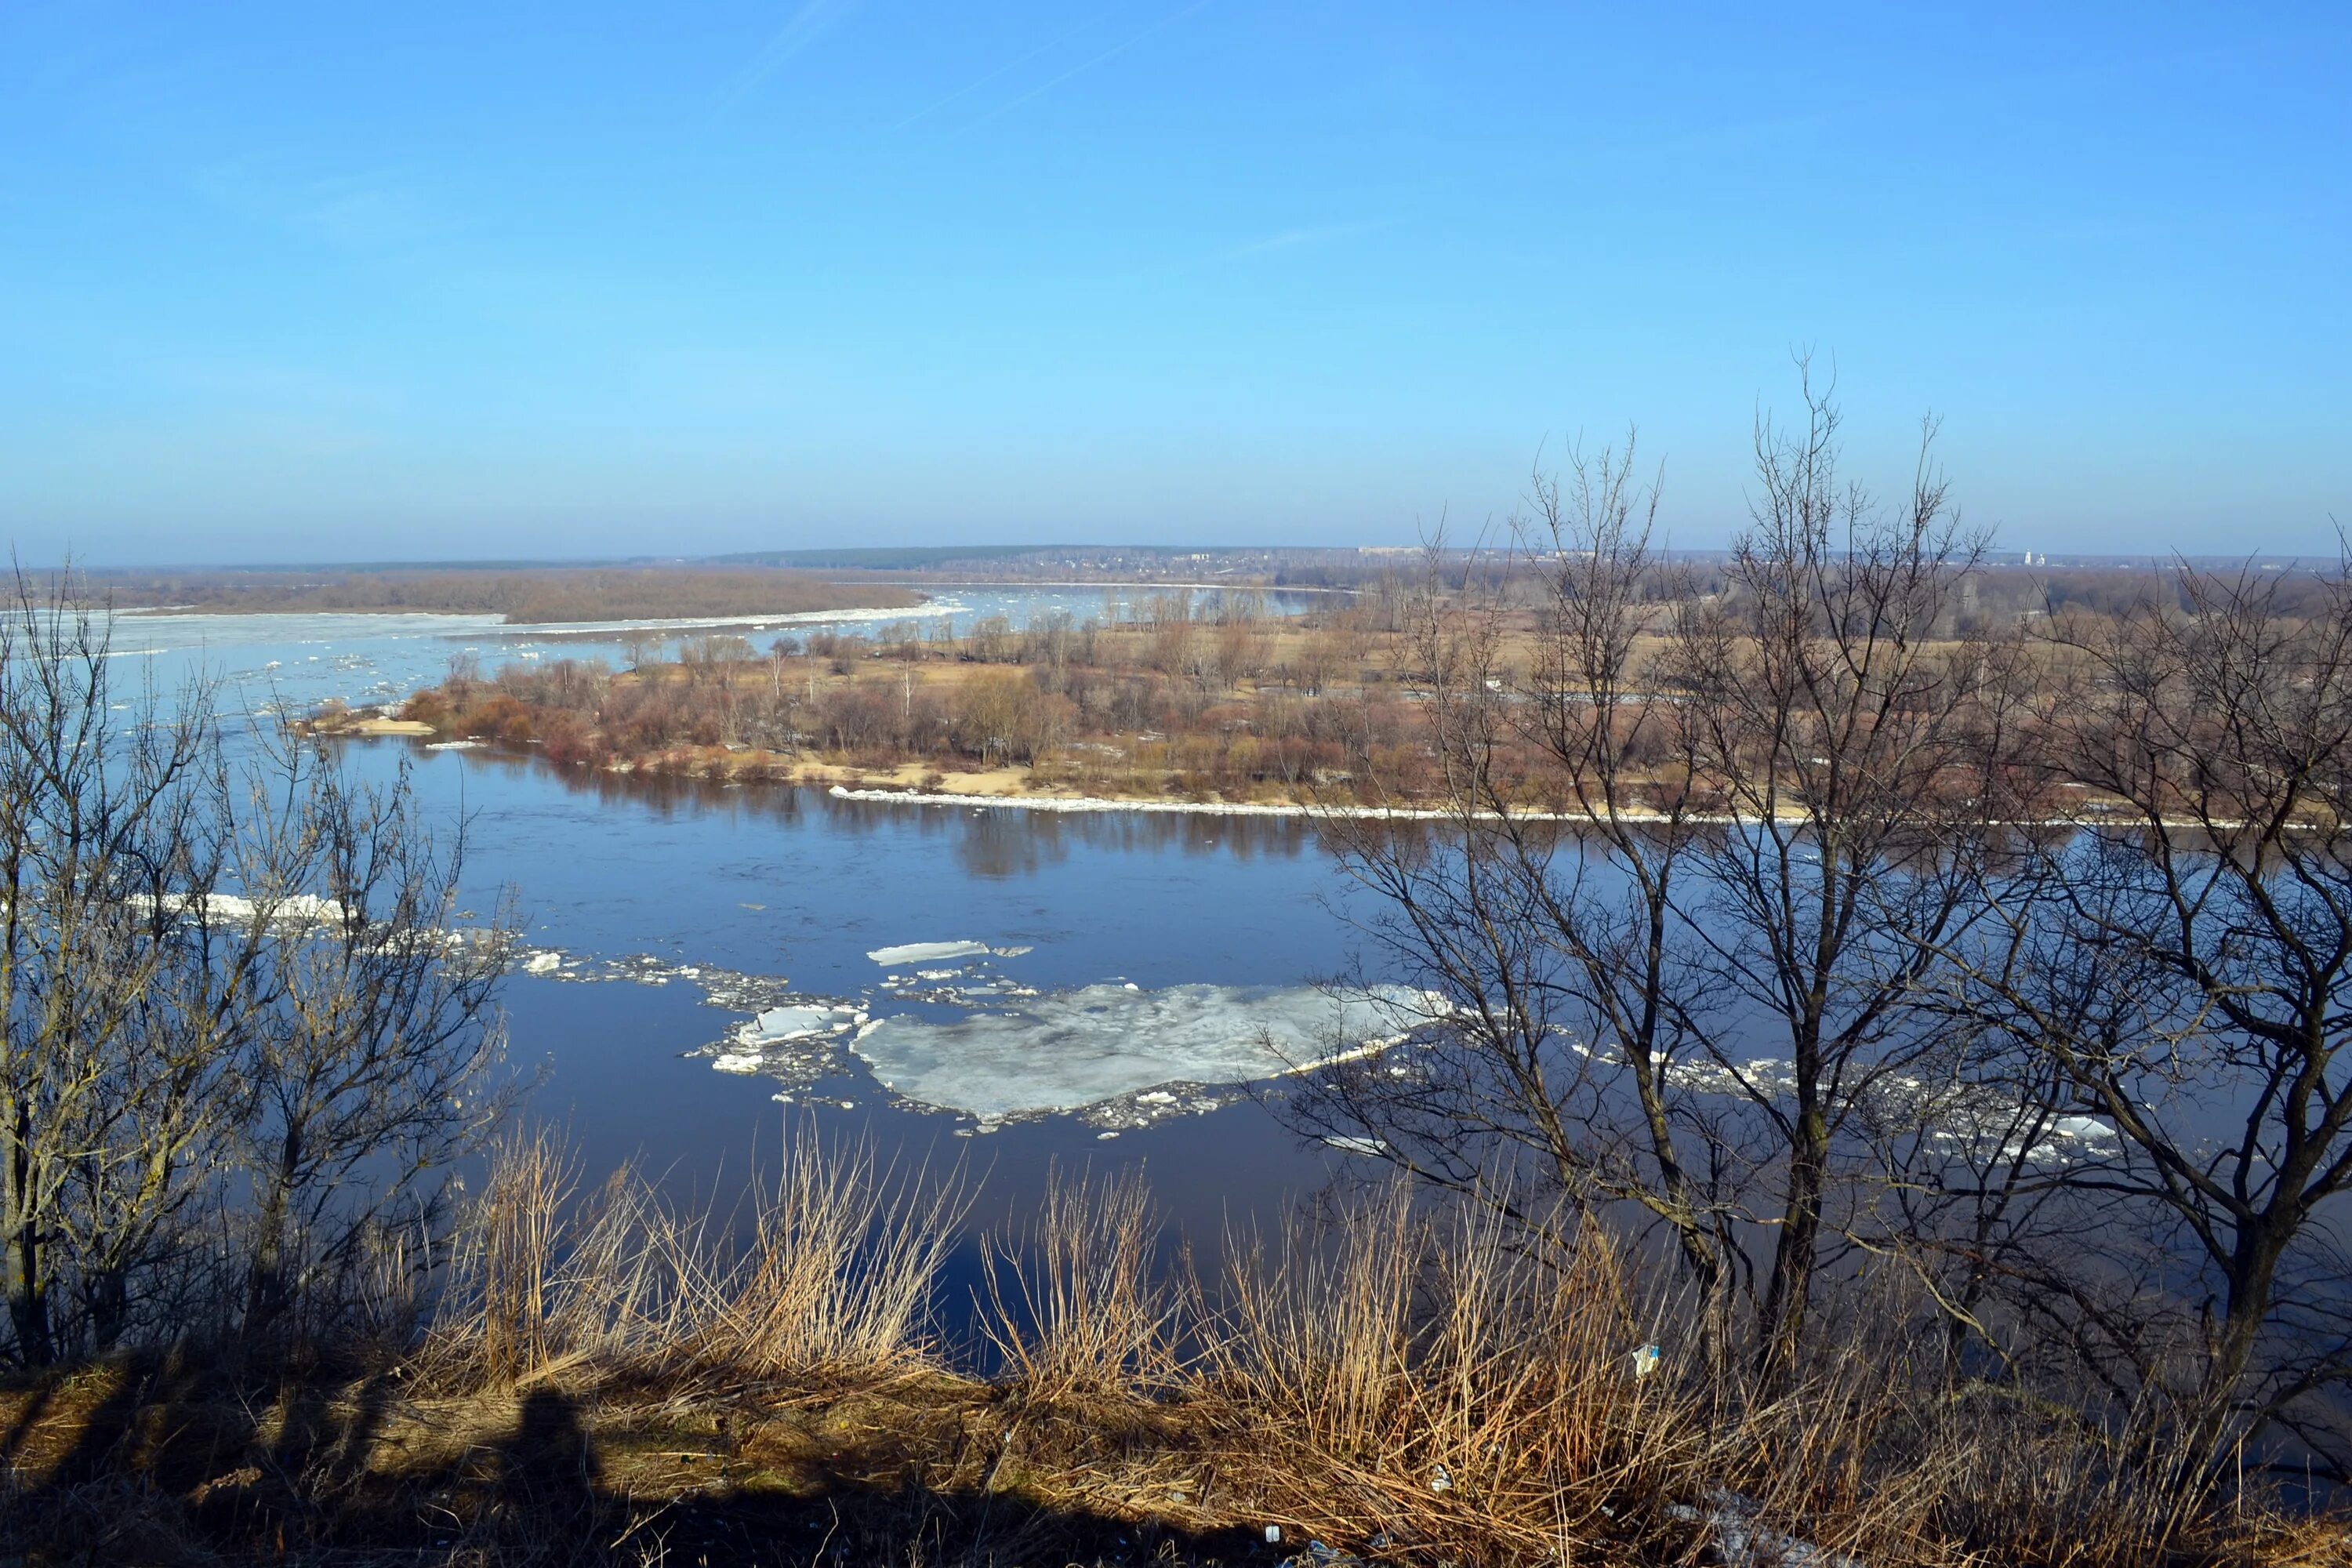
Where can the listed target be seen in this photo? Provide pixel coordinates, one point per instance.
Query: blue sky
(434, 281)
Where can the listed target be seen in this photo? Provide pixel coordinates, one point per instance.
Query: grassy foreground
(604, 1381)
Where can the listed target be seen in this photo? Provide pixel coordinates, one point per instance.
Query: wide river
(709, 966)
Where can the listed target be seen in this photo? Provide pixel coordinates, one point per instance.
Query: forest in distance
(523, 594)
(1883, 1094)
(1207, 697)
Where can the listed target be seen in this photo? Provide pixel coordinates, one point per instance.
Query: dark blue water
(794, 885)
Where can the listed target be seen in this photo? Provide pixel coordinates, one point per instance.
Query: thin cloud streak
(1300, 238)
(1054, 42)
(1079, 69)
(810, 23)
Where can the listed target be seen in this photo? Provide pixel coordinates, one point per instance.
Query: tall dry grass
(1078, 1305)
(831, 1273)
(1401, 1381)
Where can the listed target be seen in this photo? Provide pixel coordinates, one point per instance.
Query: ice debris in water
(1078, 1049)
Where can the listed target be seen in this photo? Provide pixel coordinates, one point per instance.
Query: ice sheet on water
(1347, 1144)
(1078, 1049)
(798, 1022)
(926, 951)
(283, 908)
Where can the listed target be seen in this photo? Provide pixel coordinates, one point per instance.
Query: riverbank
(601, 1380)
(521, 596)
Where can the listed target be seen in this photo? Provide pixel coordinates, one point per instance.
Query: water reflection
(1004, 840)
(989, 841)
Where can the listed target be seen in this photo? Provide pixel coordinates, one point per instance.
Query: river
(1075, 990)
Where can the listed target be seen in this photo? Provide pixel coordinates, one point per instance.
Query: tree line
(2012, 960)
(1173, 692)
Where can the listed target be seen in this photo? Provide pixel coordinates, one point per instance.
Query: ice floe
(1347, 1144)
(910, 952)
(1073, 1050)
(236, 909)
(804, 1022)
(1118, 1056)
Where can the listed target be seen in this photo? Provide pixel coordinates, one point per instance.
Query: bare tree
(1548, 919)
(369, 1054)
(1699, 872)
(234, 1002)
(99, 1119)
(1861, 767)
(2186, 969)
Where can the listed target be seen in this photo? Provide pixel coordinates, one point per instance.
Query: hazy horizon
(495, 281)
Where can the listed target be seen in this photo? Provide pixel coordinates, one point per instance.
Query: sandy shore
(373, 724)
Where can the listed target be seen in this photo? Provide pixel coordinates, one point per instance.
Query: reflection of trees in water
(997, 841)
(670, 794)
(990, 841)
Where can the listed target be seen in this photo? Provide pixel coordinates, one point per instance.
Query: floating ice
(926, 951)
(546, 963)
(1350, 1144)
(286, 909)
(798, 1022)
(1078, 1048)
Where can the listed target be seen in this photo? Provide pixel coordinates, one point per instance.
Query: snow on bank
(1083, 803)
(1742, 1542)
(1093, 804)
(1630, 817)
(768, 620)
(1078, 1048)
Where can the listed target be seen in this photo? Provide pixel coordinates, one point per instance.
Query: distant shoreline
(520, 597)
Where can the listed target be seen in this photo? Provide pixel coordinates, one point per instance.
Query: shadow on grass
(166, 1463)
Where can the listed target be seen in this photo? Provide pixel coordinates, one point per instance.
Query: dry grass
(832, 1275)
(1078, 1307)
(611, 1383)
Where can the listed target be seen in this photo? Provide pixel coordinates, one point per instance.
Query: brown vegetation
(525, 596)
(242, 1038)
(1231, 705)
(2014, 966)
(1215, 700)
(605, 1382)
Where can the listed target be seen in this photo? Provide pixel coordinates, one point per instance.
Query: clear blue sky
(329, 282)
